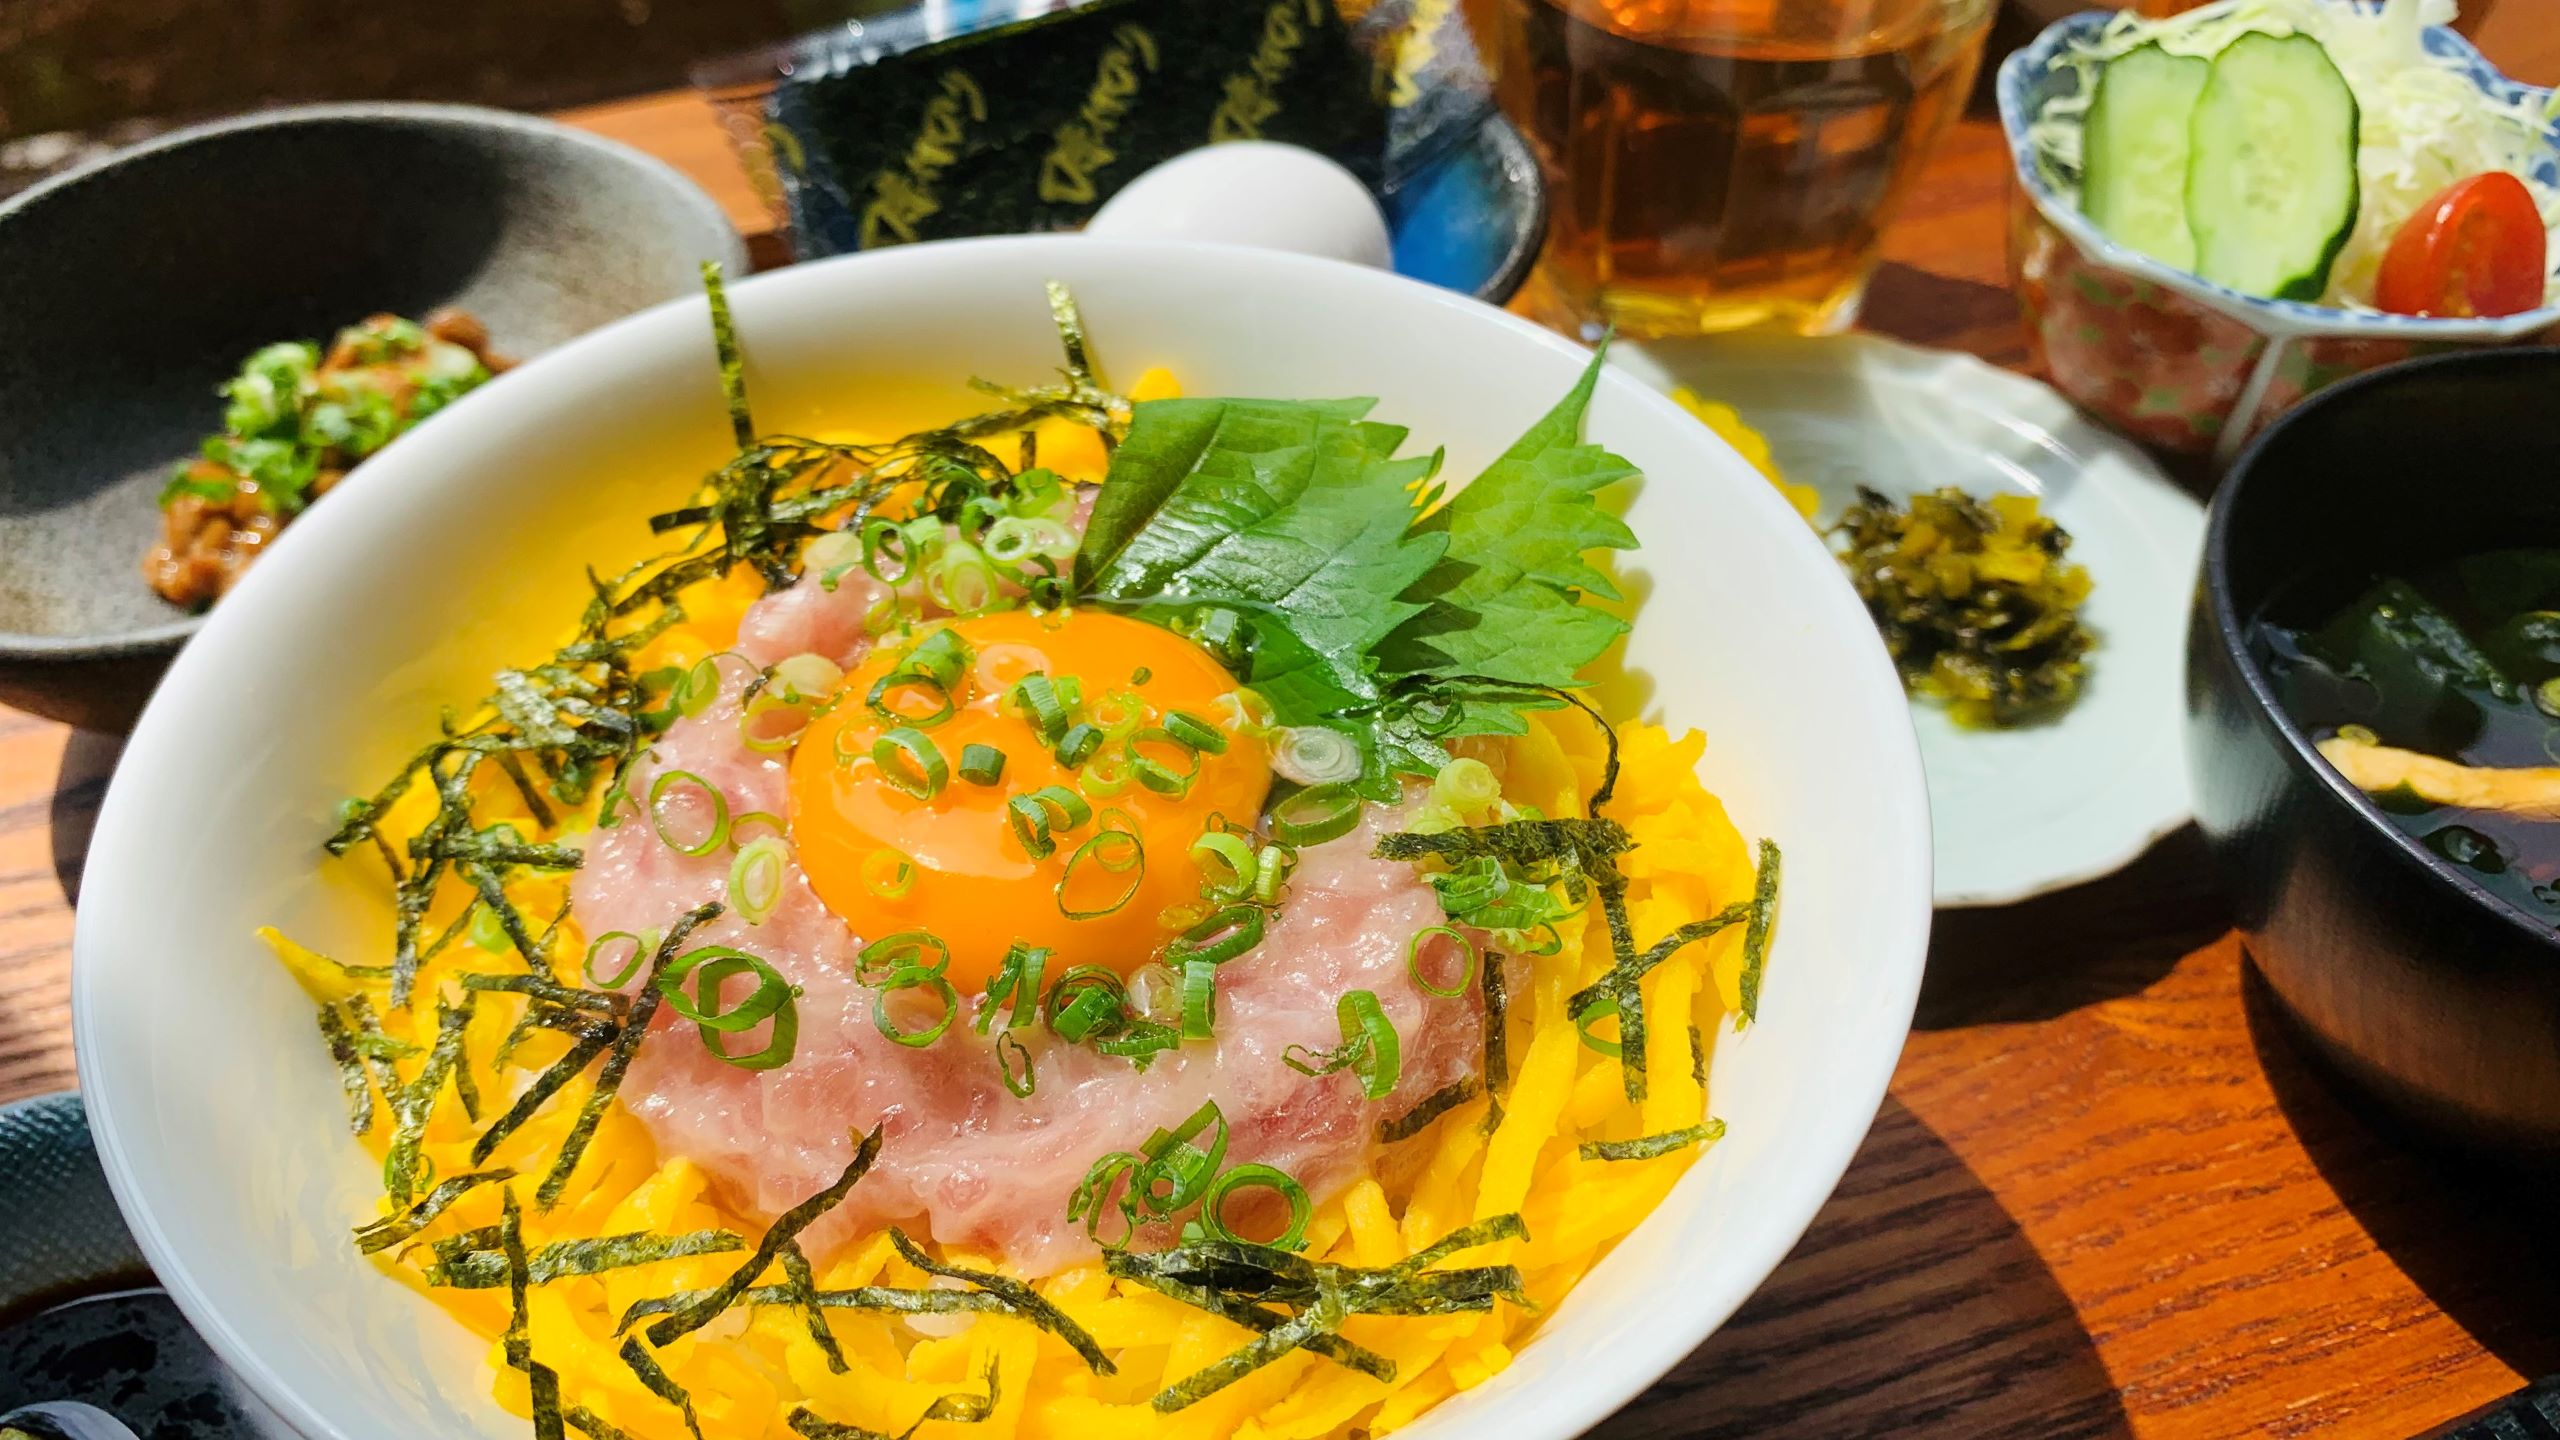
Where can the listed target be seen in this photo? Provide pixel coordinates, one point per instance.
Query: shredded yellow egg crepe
(1521, 1078)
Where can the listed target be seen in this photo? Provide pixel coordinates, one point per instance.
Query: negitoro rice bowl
(1105, 911)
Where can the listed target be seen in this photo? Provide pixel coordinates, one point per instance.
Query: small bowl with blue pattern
(2166, 356)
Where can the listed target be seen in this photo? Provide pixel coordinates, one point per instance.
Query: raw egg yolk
(955, 861)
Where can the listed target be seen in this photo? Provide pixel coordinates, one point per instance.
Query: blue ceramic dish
(2173, 358)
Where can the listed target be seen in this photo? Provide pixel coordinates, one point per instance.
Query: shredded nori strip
(1497, 1039)
(958, 1408)
(803, 1283)
(587, 1422)
(464, 1263)
(1755, 939)
(1429, 1108)
(543, 987)
(392, 1229)
(1522, 843)
(879, 1299)
(733, 365)
(785, 1229)
(417, 1100)
(660, 1383)
(1235, 1279)
(541, 1381)
(1646, 1147)
(1698, 1057)
(1025, 1301)
(547, 1084)
(1624, 982)
(617, 1059)
(378, 1049)
(351, 1076)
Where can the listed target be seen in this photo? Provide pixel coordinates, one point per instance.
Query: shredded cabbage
(2424, 123)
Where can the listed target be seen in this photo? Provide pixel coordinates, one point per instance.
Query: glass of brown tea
(1719, 164)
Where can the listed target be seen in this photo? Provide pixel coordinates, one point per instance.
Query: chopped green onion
(1195, 732)
(1154, 994)
(1105, 775)
(640, 948)
(1381, 1063)
(905, 950)
(981, 764)
(658, 815)
(1013, 1063)
(960, 579)
(1226, 864)
(701, 686)
(1592, 1014)
(710, 967)
(1466, 969)
(1038, 816)
(1077, 745)
(1018, 981)
(1466, 785)
(1177, 1172)
(1083, 997)
(1037, 699)
(766, 818)
(914, 977)
(1199, 998)
(1220, 938)
(489, 931)
(1113, 852)
(1315, 755)
(1316, 814)
(1094, 1192)
(1119, 713)
(942, 655)
(886, 689)
(804, 677)
(768, 702)
(1141, 675)
(1258, 1177)
(1271, 869)
(1155, 774)
(833, 555)
(755, 878)
(909, 761)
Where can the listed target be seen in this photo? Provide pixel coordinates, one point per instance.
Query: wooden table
(2109, 1195)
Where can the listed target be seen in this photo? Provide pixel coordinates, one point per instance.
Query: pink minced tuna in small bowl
(2195, 366)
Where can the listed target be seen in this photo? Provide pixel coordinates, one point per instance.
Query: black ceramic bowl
(2415, 980)
(131, 289)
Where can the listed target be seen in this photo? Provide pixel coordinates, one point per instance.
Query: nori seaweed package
(1026, 115)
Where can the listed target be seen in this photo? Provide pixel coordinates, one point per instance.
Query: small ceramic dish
(2174, 359)
(219, 1116)
(131, 288)
(2417, 980)
(2013, 813)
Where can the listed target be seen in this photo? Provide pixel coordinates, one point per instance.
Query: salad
(2311, 150)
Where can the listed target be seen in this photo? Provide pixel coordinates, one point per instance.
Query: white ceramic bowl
(216, 1109)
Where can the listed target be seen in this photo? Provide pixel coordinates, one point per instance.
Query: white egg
(1256, 193)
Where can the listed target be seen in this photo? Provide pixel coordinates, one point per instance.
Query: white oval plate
(2014, 813)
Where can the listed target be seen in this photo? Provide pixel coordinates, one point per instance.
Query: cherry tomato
(2476, 249)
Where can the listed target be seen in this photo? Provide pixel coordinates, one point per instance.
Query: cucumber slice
(2271, 167)
(2133, 178)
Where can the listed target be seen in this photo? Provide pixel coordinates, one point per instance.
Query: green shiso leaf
(1646, 1147)
(1505, 600)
